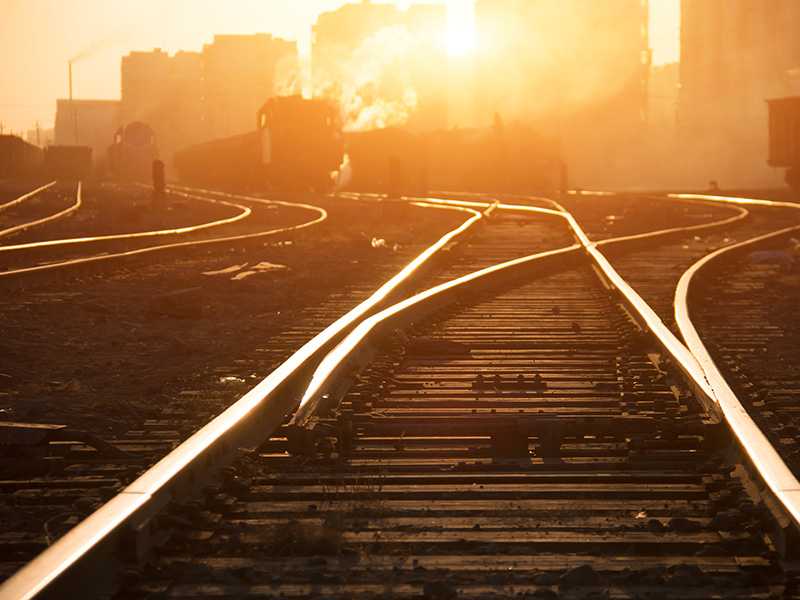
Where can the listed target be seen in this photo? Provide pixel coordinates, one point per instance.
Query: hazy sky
(37, 37)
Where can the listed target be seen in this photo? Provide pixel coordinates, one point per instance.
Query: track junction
(527, 409)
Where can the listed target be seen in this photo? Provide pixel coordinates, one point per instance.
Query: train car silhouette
(19, 159)
(784, 138)
(131, 156)
(297, 145)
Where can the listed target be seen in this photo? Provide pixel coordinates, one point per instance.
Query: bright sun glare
(461, 30)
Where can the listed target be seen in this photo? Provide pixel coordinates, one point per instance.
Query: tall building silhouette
(240, 73)
(166, 92)
(87, 123)
(735, 54)
(193, 97)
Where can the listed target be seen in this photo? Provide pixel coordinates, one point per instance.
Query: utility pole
(38, 135)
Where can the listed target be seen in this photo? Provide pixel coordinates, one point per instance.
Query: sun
(461, 30)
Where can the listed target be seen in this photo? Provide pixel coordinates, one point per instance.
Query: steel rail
(679, 352)
(736, 200)
(63, 213)
(322, 216)
(762, 455)
(123, 525)
(27, 196)
(338, 361)
(683, 357)
(741, 214)
(244, 213)
(695, 361)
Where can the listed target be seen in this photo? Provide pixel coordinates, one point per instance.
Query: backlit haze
(38, 36)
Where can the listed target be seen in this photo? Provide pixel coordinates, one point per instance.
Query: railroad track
(440, 470)
(55, 254)
(758, 351)
(25, 223)
(68, 474)
(7, 204)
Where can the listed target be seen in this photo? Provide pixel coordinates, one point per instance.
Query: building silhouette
(240, 73)
(193, 97)
(87, 123)
(735, 55)
(165, 92)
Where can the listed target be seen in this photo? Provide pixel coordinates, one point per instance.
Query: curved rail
(27, 196)
(186, 468)
(63, 213)
(695, 360)
(322, 216)
(188, 465)
(244, 213)
(679, 352)
(742, 214)
(337, 361)
(767, 461)
(736, 200)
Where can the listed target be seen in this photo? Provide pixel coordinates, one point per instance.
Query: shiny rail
(187, 467)
(339, 361)
(693, 357)
(674, 347)
(48, 219)
(244, 213)
(27, 196)
(762, 455)
(321, 215)
(123, 525)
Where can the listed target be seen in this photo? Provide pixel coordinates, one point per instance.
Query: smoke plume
(375, 83)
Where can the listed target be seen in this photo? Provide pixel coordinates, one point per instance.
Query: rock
(584, 575)
(655, 525)
(727, 520)
(685, 575)
(683, 525)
